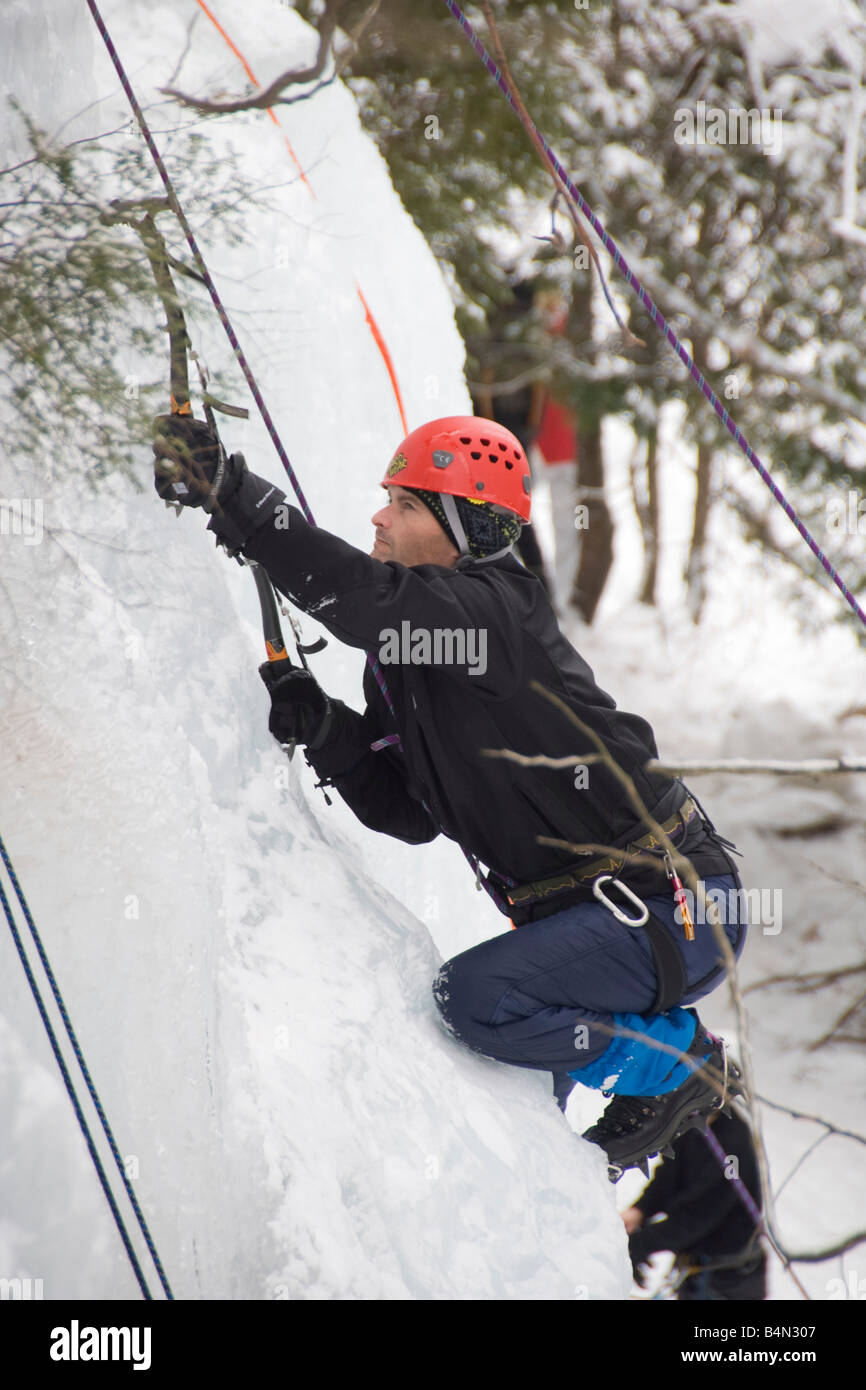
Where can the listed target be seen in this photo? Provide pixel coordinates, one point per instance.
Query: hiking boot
(633, 1128)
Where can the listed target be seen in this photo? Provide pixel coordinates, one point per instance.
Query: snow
(254, 1004)
(249, 970)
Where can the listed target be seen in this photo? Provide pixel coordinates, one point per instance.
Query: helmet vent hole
(465, 441)
(517, 454)
(508, 463)
(494, 458)
(475, 454)
(486, 443)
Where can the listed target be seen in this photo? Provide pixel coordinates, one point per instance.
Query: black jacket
(704, 1212)
(447, 714)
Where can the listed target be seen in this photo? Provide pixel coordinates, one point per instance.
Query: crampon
(634, 1128)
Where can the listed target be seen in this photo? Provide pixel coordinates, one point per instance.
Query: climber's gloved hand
(300, 710)
(191, 469)
(189, 466)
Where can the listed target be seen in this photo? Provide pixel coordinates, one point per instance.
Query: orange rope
(251, 75)
(371, 322)
(383, 348)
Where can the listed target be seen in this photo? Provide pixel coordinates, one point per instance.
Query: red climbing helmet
(467, 456)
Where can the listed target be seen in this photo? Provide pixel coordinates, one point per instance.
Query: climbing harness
(70, 1088)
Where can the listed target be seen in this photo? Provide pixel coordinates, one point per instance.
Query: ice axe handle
(274, 644)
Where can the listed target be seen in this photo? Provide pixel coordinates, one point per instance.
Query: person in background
(555, 446)
(508, 394)
(704, 1220)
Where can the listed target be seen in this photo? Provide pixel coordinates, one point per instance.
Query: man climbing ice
(595, 983)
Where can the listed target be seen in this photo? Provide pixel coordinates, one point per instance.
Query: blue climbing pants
(555, 995)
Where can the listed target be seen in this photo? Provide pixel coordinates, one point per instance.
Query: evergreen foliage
(741, 229)
(84, 353)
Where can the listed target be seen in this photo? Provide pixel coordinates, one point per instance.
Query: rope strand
(79, 1057)
(199, 259)
(655, 314)
(70, 1088)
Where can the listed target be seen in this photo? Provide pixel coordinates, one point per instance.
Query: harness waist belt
(581, 877)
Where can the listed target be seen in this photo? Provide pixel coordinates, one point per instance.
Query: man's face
(408, 532)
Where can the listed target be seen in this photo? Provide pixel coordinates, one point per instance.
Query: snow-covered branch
(741, 343)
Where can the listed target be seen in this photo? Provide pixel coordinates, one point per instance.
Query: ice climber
(460, 630)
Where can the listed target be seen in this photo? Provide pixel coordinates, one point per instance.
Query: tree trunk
(647, 508)
(595, 556)
(596, 549)
(696, 565)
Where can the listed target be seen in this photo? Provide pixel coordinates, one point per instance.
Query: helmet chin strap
(449, 507)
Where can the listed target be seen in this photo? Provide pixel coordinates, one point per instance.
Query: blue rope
(58, 999)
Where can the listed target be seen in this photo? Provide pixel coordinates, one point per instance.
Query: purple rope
(745, 1195)
(244, 365)
(656, 314)
(199, 260)
(214, 294)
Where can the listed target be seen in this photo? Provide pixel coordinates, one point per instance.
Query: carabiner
(617, 911)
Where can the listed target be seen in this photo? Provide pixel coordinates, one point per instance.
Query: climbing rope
(375, 330)
(70, 1088)
(655, 314)
(199, 259)
(480, 878)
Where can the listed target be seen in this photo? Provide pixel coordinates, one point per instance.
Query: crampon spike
(696, 1122)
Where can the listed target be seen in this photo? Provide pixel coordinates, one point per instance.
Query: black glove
(189, 466)
(300, 710)
(639, 1256)
(190, 469)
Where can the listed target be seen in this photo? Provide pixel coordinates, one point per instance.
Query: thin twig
(811, 767)
(809, 980)
(843, 1018)
(814, 1119)
(270, 95)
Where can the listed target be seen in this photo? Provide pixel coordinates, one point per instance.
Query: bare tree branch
(810, 980)
(270, 96)
(812, 767)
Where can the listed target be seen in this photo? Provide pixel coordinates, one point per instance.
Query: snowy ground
(249, 970)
